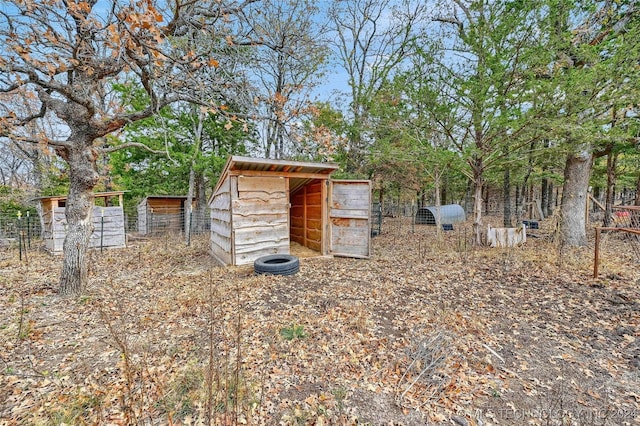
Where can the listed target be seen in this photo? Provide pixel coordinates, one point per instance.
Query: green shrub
(293, 332)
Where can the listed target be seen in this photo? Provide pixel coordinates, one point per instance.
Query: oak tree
(66, 56)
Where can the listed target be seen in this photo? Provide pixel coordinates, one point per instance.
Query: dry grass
(427, 331)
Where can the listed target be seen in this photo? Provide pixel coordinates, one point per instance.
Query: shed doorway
(305, 216)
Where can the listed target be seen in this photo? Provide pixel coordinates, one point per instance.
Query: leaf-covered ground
(426, 331)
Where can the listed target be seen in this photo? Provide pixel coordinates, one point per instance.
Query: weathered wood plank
(349, 218)
(221, 253)
(220, 220)
(222, 243)
(297, 210)
(269, 185)
(314, 224)
(263, 196)
(297, 222)
(221, 228)
(260, 173)
(259, 220)
(220, 201)
(248, 257)
(108, 225)
(241, 208)
(314, 245)
(221, 215)
(314, 199)
(348, 240)
(356, 195)
(314, 235)
(113, 242)
(276, 233)
(350, 213)
(313, 212)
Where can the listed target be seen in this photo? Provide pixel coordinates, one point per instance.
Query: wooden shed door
(349, 218)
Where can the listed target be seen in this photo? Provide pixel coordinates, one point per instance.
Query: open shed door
(349, 218)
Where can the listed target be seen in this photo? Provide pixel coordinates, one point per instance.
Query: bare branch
(130, 145)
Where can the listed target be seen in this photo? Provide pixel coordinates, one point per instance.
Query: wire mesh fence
(16, 226)
(160, 222)
(24, 230)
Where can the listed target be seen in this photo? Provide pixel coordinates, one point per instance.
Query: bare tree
(373, 37)
(287, 67)
(26, 164)
(67, 55)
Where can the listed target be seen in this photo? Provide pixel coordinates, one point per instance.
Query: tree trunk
(612, 159)
(188, 205)
(200, 215)
(573, 227)
(436, 181)
(485, 197)
(518, 205)
(477, 209)
(550, 199)
(544, 197)
(478, 182)
(188, 208)
(637, 203)
(444, 190)
(506, 199)
(83, 177)
(467, 197)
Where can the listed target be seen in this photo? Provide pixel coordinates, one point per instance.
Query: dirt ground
(428, 331)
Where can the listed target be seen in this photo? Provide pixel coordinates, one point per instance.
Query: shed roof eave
(95, 195)
(268, 166)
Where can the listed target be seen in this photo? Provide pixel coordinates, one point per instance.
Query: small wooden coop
(260, 206)
(161, 213)
(108, 221)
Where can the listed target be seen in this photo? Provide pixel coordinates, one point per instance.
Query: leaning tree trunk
(78, 211)
(573, 227)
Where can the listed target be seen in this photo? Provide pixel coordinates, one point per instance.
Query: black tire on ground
(277, 264)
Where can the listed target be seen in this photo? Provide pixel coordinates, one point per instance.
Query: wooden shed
(108, 221)
(161, 213)
(259, 206)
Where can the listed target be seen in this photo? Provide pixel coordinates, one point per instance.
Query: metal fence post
(20, 233)
(101, 229)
